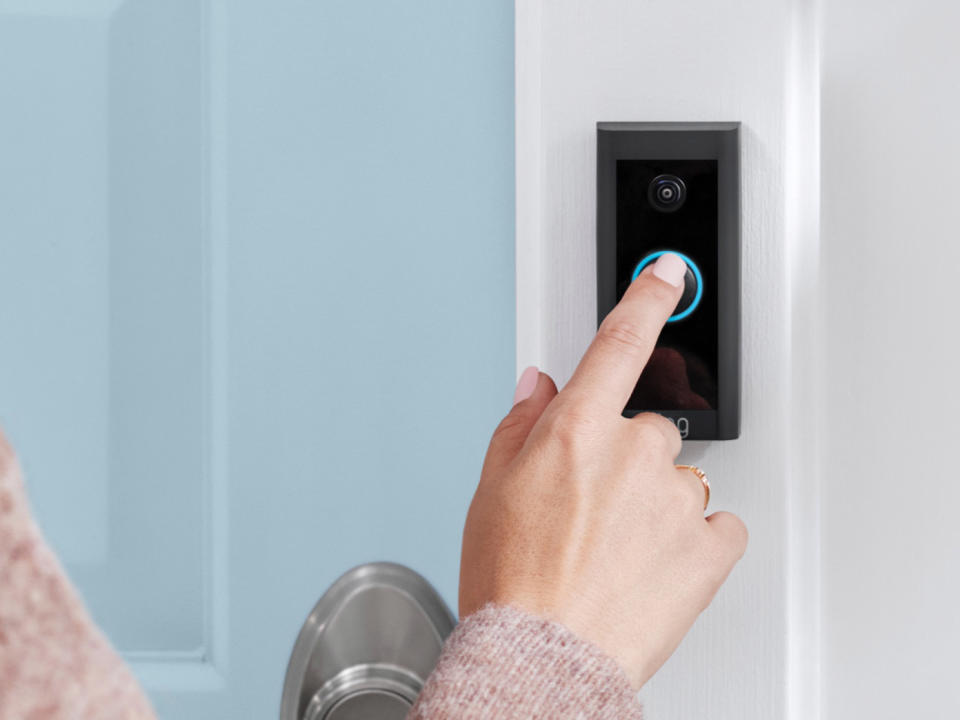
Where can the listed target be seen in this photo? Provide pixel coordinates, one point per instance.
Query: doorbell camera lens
(667, 193)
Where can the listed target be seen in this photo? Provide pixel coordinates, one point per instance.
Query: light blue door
(256, 307)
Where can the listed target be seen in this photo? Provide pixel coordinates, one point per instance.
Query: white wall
(752, 654)
(844, 472)
(891, 213)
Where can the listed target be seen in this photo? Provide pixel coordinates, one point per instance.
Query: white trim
(795, 264)
(805, 353)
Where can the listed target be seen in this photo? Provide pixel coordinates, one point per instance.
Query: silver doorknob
(367, 647)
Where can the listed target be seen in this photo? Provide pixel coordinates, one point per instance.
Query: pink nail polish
(526, 384)
(670, 268)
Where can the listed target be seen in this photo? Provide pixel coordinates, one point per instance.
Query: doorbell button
(692, 284)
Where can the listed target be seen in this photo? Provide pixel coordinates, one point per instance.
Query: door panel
(257, 295)
(104, 295)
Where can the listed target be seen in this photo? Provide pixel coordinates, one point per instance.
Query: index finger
(611, 366)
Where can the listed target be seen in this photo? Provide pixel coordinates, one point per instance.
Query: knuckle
(739, 537)
(571, 426)
(651, 438)
(726, 549)
(624, 335)
(508, 427)
(649, 423)
(671, 432)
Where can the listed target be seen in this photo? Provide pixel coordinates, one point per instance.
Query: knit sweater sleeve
(503, 663)
(55, 663)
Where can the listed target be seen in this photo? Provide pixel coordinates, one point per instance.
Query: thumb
(534, 392)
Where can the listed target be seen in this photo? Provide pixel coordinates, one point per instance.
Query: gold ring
(703, 479)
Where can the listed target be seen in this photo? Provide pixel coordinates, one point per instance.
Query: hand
(580, 515)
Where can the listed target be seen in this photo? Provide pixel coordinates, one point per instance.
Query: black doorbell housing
(675, 187)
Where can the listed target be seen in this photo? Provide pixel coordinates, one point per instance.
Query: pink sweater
(504, 663)
(55, 663)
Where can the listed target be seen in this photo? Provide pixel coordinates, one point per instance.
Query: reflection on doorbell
(676, 187)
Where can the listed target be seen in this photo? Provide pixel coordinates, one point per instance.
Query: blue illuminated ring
(696, 274)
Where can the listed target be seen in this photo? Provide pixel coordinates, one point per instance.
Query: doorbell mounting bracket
(675, 187)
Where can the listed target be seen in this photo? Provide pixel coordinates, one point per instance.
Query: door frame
(551, 329)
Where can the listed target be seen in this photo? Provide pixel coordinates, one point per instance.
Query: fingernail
(526, 384)
(670, 268)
